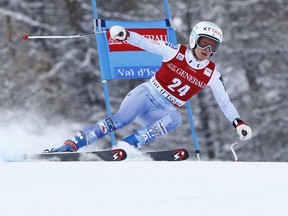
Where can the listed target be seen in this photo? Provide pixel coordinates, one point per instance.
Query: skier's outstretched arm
(219, 91)
(162, 48)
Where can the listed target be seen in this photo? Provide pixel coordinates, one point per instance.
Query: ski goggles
(204, 41)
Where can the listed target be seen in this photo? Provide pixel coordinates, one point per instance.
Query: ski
(105, 155)
(169, 155)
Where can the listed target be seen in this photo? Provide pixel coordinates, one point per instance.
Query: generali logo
(153, 34)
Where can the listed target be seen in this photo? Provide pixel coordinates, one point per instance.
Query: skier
(183, 73)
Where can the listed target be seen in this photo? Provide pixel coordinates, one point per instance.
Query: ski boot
(68, 146)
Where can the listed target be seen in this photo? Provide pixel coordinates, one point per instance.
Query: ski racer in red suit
(184, 72)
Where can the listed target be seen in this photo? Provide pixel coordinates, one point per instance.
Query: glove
(243, 130)
(119, 33)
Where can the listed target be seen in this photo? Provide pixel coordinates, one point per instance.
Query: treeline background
(56, 80)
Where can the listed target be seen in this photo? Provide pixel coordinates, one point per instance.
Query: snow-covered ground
(143, 188)
(135, 188)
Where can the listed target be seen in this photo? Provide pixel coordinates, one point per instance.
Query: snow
(141, 187)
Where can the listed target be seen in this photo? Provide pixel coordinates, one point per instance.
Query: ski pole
(244, 133)
(26, 37)
(233, 151)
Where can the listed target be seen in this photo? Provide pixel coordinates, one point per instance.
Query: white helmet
(208, 30)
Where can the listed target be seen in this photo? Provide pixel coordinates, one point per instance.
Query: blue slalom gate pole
(167, 10)
(193, 131)
(103, 61)
(188, 106)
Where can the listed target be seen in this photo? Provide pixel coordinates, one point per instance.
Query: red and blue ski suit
(154, 103)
